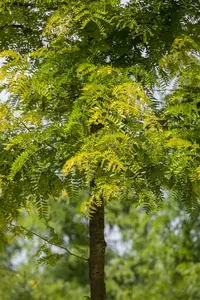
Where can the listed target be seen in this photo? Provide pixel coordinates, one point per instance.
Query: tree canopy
(82, 112)
(72, 99)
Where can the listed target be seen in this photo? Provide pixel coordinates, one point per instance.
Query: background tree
(148, 256)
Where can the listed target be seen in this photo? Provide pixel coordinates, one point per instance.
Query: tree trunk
(97, 253)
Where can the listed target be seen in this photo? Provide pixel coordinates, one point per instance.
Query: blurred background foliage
(154, 256)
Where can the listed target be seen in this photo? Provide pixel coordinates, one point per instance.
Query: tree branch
(7, 269)
(17, 26)
(28, 129)
(53, 244)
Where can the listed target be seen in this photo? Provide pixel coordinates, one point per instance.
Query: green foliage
(80, 116)
(182, 116)
(80, 111)
(160, 258)
(112, 124)
(153, 256)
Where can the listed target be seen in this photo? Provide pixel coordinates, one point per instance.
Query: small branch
(25, 126)
(53, 244)
(18, 26)
(7, 269)
(163, 90)
(12, 25)
(49, 145)
(30, 6)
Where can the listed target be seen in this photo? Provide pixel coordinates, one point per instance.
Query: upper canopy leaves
(78, 110)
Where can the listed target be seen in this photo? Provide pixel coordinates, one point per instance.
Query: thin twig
(49, 145)
(53, 244)
(7, 269)
(161, 90)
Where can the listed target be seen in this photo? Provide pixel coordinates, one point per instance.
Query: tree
(97, 158)
(78, 114)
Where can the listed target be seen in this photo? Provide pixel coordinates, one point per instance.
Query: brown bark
(97, 253)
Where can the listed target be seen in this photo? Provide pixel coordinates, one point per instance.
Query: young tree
(78, 115)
